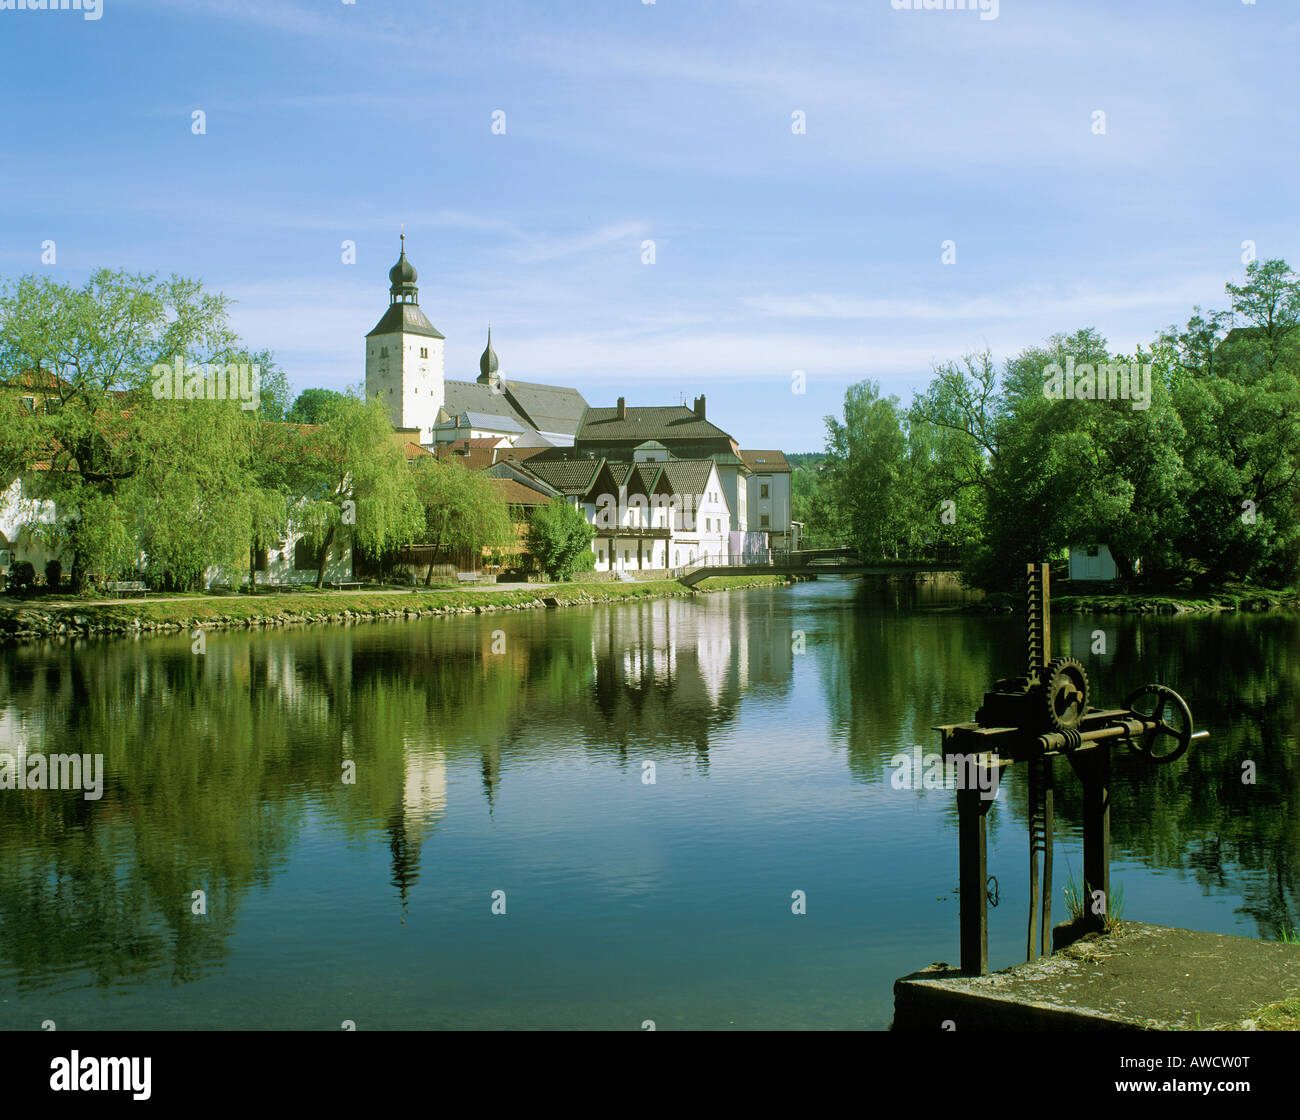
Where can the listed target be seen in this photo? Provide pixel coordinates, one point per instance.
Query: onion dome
(488, 364)
(402, 277)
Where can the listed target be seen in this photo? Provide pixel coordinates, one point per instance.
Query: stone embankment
(29, 622)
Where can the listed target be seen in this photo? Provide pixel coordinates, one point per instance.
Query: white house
(625, 432)
(770, 495)
(18, 513)
(291, 560)
(649, 515)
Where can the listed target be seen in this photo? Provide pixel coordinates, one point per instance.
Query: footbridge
(813, 562)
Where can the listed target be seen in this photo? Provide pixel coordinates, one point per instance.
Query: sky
(781, 242)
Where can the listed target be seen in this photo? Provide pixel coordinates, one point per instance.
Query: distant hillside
(805, 458)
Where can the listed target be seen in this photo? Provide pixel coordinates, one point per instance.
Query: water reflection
(224, 771)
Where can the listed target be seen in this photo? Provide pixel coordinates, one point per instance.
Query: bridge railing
(720, 560)
(823, 559)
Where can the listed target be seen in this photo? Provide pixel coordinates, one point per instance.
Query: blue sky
(627, 121)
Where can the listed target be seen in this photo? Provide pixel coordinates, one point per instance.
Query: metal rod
(1049, 822)
(1035, 823)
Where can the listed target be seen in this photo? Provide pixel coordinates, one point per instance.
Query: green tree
(89, 353)
(310, 406)
(1035, 474)
(1235, 380)
(864, 473)
(808, 505)
(559, 538)
(355, 480)
(463, 510)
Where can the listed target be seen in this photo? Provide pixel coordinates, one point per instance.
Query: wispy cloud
(1076, 303)
(547, 248)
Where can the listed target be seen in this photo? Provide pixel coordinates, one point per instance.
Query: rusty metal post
(1093, 769)
(972, 859)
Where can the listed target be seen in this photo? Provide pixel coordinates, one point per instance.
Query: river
(504, 854)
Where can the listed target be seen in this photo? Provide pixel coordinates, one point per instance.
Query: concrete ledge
(1140, 977)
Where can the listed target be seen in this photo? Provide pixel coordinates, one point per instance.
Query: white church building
(405, 369)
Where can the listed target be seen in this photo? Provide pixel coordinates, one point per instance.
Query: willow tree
(356, 481)
(120, 461)
(463, 511)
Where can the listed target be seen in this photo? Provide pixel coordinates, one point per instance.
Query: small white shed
(1092, 561)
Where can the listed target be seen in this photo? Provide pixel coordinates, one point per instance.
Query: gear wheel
(1065, 692)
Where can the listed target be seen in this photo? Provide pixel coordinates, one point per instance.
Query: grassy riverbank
(1067, 601)
(35, 620)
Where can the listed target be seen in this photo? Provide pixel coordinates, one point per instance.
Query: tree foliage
(463, 511)
(310, 405)
(146, 482)
(356, 484)
(559, 539)
(1200, 478)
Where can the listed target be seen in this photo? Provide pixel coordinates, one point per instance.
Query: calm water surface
(771, 717)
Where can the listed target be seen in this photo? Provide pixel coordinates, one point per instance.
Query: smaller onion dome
(488, 364)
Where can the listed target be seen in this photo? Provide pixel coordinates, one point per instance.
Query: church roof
(489, 421)
(405, 317)
(545, 408)
(552, 408)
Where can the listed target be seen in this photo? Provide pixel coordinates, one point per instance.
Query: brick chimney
(699, 407)
(622, 408)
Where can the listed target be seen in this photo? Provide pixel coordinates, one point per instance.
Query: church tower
(404, 358)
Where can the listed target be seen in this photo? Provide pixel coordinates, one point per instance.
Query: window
(29, 403)
(1093, 550)
(763, 521)
(424, 351)
(600, 556)
(259, 561)
(762, 490)
(383, 351)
